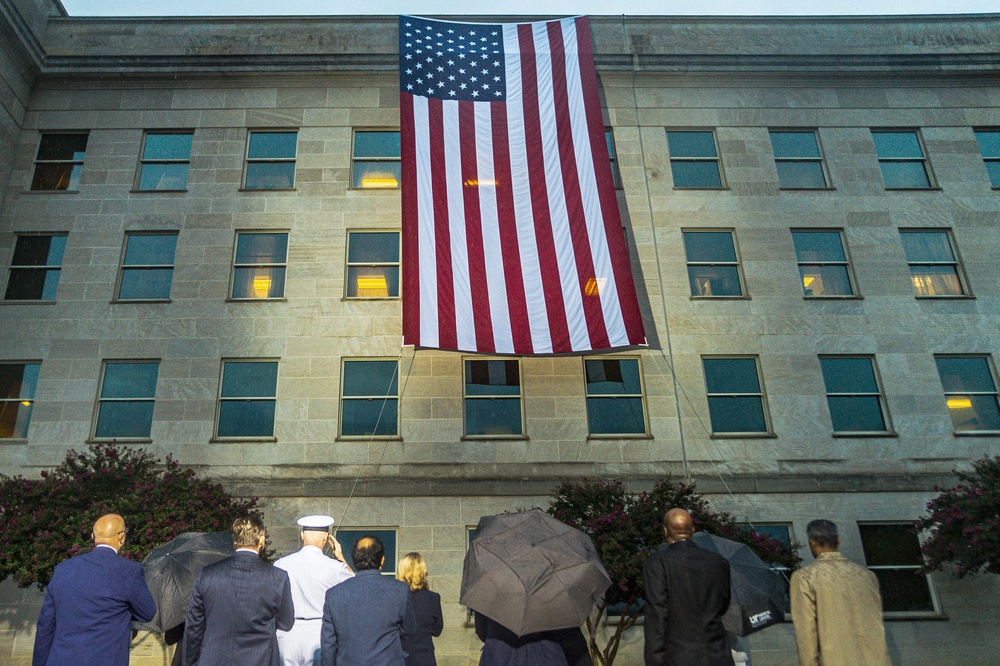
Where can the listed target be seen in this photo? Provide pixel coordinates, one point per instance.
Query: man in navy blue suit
(365, 617)
(90, 604)
(237, 605)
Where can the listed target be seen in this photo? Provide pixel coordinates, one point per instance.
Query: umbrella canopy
(757, 593)
(172, 568)
(531, 572)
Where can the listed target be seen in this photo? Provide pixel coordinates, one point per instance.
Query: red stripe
(551, 286)
(447, 338)
(509, 247)
(481, 316)
(617, 246)
(577, 221)
(410, 222)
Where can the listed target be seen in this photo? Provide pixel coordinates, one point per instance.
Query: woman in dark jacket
(502, 647)
(419, 647)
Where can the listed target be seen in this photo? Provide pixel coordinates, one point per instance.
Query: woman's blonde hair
(412, 570)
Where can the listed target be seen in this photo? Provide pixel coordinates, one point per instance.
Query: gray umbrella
(757, 593)
(531, 572)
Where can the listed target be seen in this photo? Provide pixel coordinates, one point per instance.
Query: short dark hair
(367, 553)
(247, 531)
(823, 533)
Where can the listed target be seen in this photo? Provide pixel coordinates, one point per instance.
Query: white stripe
(496, 283)
(534, 294)
(465, 326)
(428, 334)
(569, 280)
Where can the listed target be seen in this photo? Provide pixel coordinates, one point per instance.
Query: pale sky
(523, 7)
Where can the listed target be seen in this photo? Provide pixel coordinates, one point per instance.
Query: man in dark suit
(237, 605)
(365, 617)
(90, 604)
(687, 592)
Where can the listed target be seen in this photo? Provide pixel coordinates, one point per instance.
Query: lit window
(17, 397)
(125, 405)
(35, 268)
(369, 405)
(613, 155)
(147, 267)
(259, 266)
(736, 402)
(854, 395)
(933, 260)
(970, 393)
(349, 537)
(798, 159)
(271, 161)
(989, 146)
(694, 159)
(375, 160)
(372, 264)
(59, 162)
(164, 161)
(247, 399)
(493, 398)
(713, 264)
(614, 396)
(823, 264)
(892, 553)
(901, 157)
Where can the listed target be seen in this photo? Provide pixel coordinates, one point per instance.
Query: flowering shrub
(627, 528)
(964, 522)
(45, 521)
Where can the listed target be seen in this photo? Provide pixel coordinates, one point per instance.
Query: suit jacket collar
(683, 543)
(104, 551)
(369, 572)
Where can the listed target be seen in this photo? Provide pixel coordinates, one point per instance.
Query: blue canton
(461, 61)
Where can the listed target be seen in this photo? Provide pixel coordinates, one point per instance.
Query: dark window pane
(965, 373)
(58, 177)
(163, 177)
(904, 590)
(897, 144)
(130, 380)
(492, 378)
(259, 282)
(150, 249)
(696, 174)
(886, 545)
(272, 145)
(376, 144)
(848, 375)
(376, 247)
(611, 144)
(612, 377)
(691, 144)
(731, 375)
(924, 246)
(993, 169)
(794, 144)
(348, 538)
(936, 280)
(614, 416)
(778, 532)
(715, 280)
(372, 282)
(167, 147)
(974, 412)
(376, 175)
(493, 416)
(249, 379)
(39, 251)
(261, 248)
(818, 246)
(825, 280)
(905, 174)
(737, 414)
(14, 420)
(375, 416)
(270, 175)
(145, 284)
(18, 380)
(989, 142)
(710, 246)
(246, 418)
(370, 378)
(124, 419)
(65, 147)
(856, 414)
(32, 285)
(803, 175)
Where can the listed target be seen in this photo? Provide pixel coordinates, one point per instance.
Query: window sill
(50, 191)
(947, 297)
(119, 440)
(13, 440)
(26, 301)
(368, 438)
(140, 301)
(743, 435)
(257, 300)
(807, 189)
(977, 433)
(913, 189)
(267, 189)
(719, 298)
(864, 435)
(709, 189)
(918, 616)
(354, 299)
(855, 297)
(374, 189)
(616, 436)
(242, 440)
(506, 438)
(157, 191)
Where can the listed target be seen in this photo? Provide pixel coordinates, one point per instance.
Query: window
(259, 265)
(35, 268)
(59, 162)
(17, 397)
(147, 268)
(798, 159)
(989, 146)
(247, 399)
(372, 264)
(613, 155)
(970, 392)
(781, 532)
(713, 264)
(125, 402)
(823, 264)
(614, 396)
(933, 259)
(375, 160)
(892, 552)
(901, 158)
(694, 159)
(349, 537)
(854, 395)
(369, 405)
(164, 162)
(271, 161)
(493, 398)
(736, 401)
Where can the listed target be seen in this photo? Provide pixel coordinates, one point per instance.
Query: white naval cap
(317, 522)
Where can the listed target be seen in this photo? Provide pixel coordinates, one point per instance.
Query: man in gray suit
(365, 617)
(237, 604)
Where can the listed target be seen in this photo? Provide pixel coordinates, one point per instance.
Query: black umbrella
(531, 572)
(757, 593)
(172, 568)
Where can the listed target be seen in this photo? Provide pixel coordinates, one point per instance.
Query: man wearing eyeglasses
(91, 602)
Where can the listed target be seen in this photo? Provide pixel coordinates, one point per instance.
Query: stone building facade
(811, 206)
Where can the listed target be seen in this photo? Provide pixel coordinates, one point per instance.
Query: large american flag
(512, 239)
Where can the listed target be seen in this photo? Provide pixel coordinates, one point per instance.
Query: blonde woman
(419, 647)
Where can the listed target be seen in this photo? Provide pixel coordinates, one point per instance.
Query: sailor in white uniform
(311, 574)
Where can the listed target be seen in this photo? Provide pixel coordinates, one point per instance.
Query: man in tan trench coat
(836, 607)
